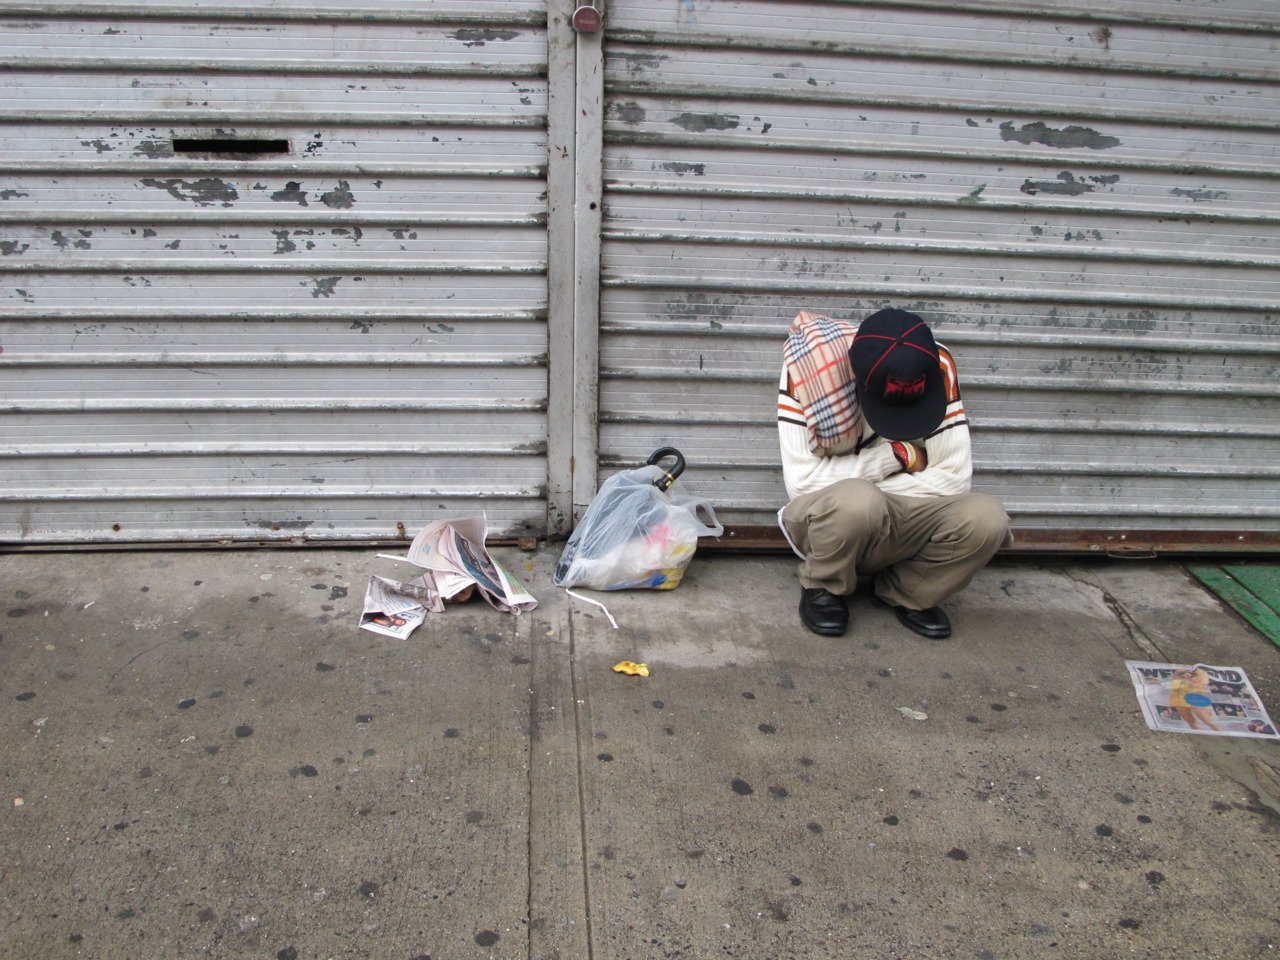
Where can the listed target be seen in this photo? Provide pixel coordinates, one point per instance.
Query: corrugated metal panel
(1086, 205)
(338, 333)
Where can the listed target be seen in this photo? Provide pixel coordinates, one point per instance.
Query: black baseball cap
(901, 390)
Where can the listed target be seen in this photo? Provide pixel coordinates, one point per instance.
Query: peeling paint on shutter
(1085, 205)
(271, 274)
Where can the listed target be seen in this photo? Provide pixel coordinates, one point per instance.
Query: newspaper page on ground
(453, 556)
(1198, 698)
(395, 609)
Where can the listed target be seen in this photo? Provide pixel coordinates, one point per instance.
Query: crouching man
(876, 459)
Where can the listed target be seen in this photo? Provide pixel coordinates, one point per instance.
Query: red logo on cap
(903, 391)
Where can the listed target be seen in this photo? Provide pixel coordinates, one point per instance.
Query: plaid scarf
(817, 359)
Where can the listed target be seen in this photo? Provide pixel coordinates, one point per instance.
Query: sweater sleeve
(950, 462)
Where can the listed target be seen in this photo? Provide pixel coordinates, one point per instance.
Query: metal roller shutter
(272, 272)
(1085, 205)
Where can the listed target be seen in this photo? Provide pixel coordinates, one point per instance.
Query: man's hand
(911, 455)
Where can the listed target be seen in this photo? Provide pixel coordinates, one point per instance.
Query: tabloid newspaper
(453, 557)
(1198, 698)
(394, 608)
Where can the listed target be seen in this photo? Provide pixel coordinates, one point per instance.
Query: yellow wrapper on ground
(632, 669)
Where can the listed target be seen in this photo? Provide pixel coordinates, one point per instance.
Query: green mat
(1252, 590)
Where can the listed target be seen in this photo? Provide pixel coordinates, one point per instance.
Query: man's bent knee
(854, 505)
(983, 518)
(844, 516)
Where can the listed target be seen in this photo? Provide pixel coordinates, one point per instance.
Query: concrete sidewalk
(208, 759)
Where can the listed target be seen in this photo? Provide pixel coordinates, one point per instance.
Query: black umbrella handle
(665, 481)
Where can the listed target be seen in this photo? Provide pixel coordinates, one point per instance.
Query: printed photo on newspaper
(495, 584)
(1198, 698)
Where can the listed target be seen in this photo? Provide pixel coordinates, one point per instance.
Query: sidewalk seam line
(530, 783)
(1136, 634)
(582, 796)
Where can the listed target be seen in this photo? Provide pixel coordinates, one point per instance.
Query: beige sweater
(950, 464)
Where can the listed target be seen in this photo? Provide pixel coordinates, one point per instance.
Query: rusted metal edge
(1118, 543)
(1131, 544)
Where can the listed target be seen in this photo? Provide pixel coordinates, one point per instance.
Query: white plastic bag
(640, 531)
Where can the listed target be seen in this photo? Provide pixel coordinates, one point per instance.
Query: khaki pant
(921, 550)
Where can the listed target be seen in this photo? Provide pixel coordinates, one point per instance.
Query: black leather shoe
(823, 612)
(931, 622)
